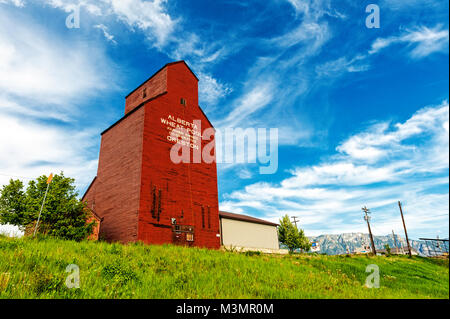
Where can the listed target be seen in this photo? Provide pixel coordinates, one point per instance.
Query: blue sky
(362, 113)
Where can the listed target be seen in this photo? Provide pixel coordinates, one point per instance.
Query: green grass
(37, 269)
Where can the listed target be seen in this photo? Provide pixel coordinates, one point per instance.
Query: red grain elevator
(139, 192)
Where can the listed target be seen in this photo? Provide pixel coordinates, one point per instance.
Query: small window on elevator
(183, 102)
(209, 217)
(203, 217)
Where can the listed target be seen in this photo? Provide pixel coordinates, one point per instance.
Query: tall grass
(37, 269)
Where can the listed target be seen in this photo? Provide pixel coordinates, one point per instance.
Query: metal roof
(245, 218)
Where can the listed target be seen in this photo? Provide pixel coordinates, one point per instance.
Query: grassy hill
(36, 269)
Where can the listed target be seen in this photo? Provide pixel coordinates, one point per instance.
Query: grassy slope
(37, 270)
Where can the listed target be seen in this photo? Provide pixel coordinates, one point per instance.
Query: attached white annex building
(248, 233)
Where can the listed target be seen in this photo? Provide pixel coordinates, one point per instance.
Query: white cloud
(315, 8)
(277, 80)
(259, 97)
(211, 90)
(17, 3)
(45, 72)
(145, 15)
(383, 141)
(423, 40)
(343, 64)
(377, 167)
(404, 5)
(29, 149)
(106, 33)
(150, 17)
(304, 32)
(245, 173)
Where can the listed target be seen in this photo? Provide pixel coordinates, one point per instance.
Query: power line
(17, 176)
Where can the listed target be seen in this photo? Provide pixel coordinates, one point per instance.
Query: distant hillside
(37, 269)
(338, 244)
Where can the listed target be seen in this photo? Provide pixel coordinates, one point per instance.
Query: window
(144, 93)
(209, 217)
(156, 208)
(159, 204)
(203, 217)
(189, 237)
(153, 210)
(183, 102)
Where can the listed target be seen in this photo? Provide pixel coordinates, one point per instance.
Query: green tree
(63, 215)
(305, 244)
(13, 204)
(291, 237)
(388, 249)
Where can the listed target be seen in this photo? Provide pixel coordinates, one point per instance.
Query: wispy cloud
(283, 74)
(211, 90)
(315, 8)
(402, 5)
(423, 41)
(46, 75)
(254, 100)
(341, 65)
(106, 33)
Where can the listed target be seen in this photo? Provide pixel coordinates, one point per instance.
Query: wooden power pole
(295, 220)
(395, 241)
(404, 226)
(367, 219)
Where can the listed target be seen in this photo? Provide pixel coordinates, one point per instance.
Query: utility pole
(395, 241)
(404, 226)
(295, 220)
(367, 219)
(401, 246)
(49, 180)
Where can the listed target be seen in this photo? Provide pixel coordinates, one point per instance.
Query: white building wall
(248, 235)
